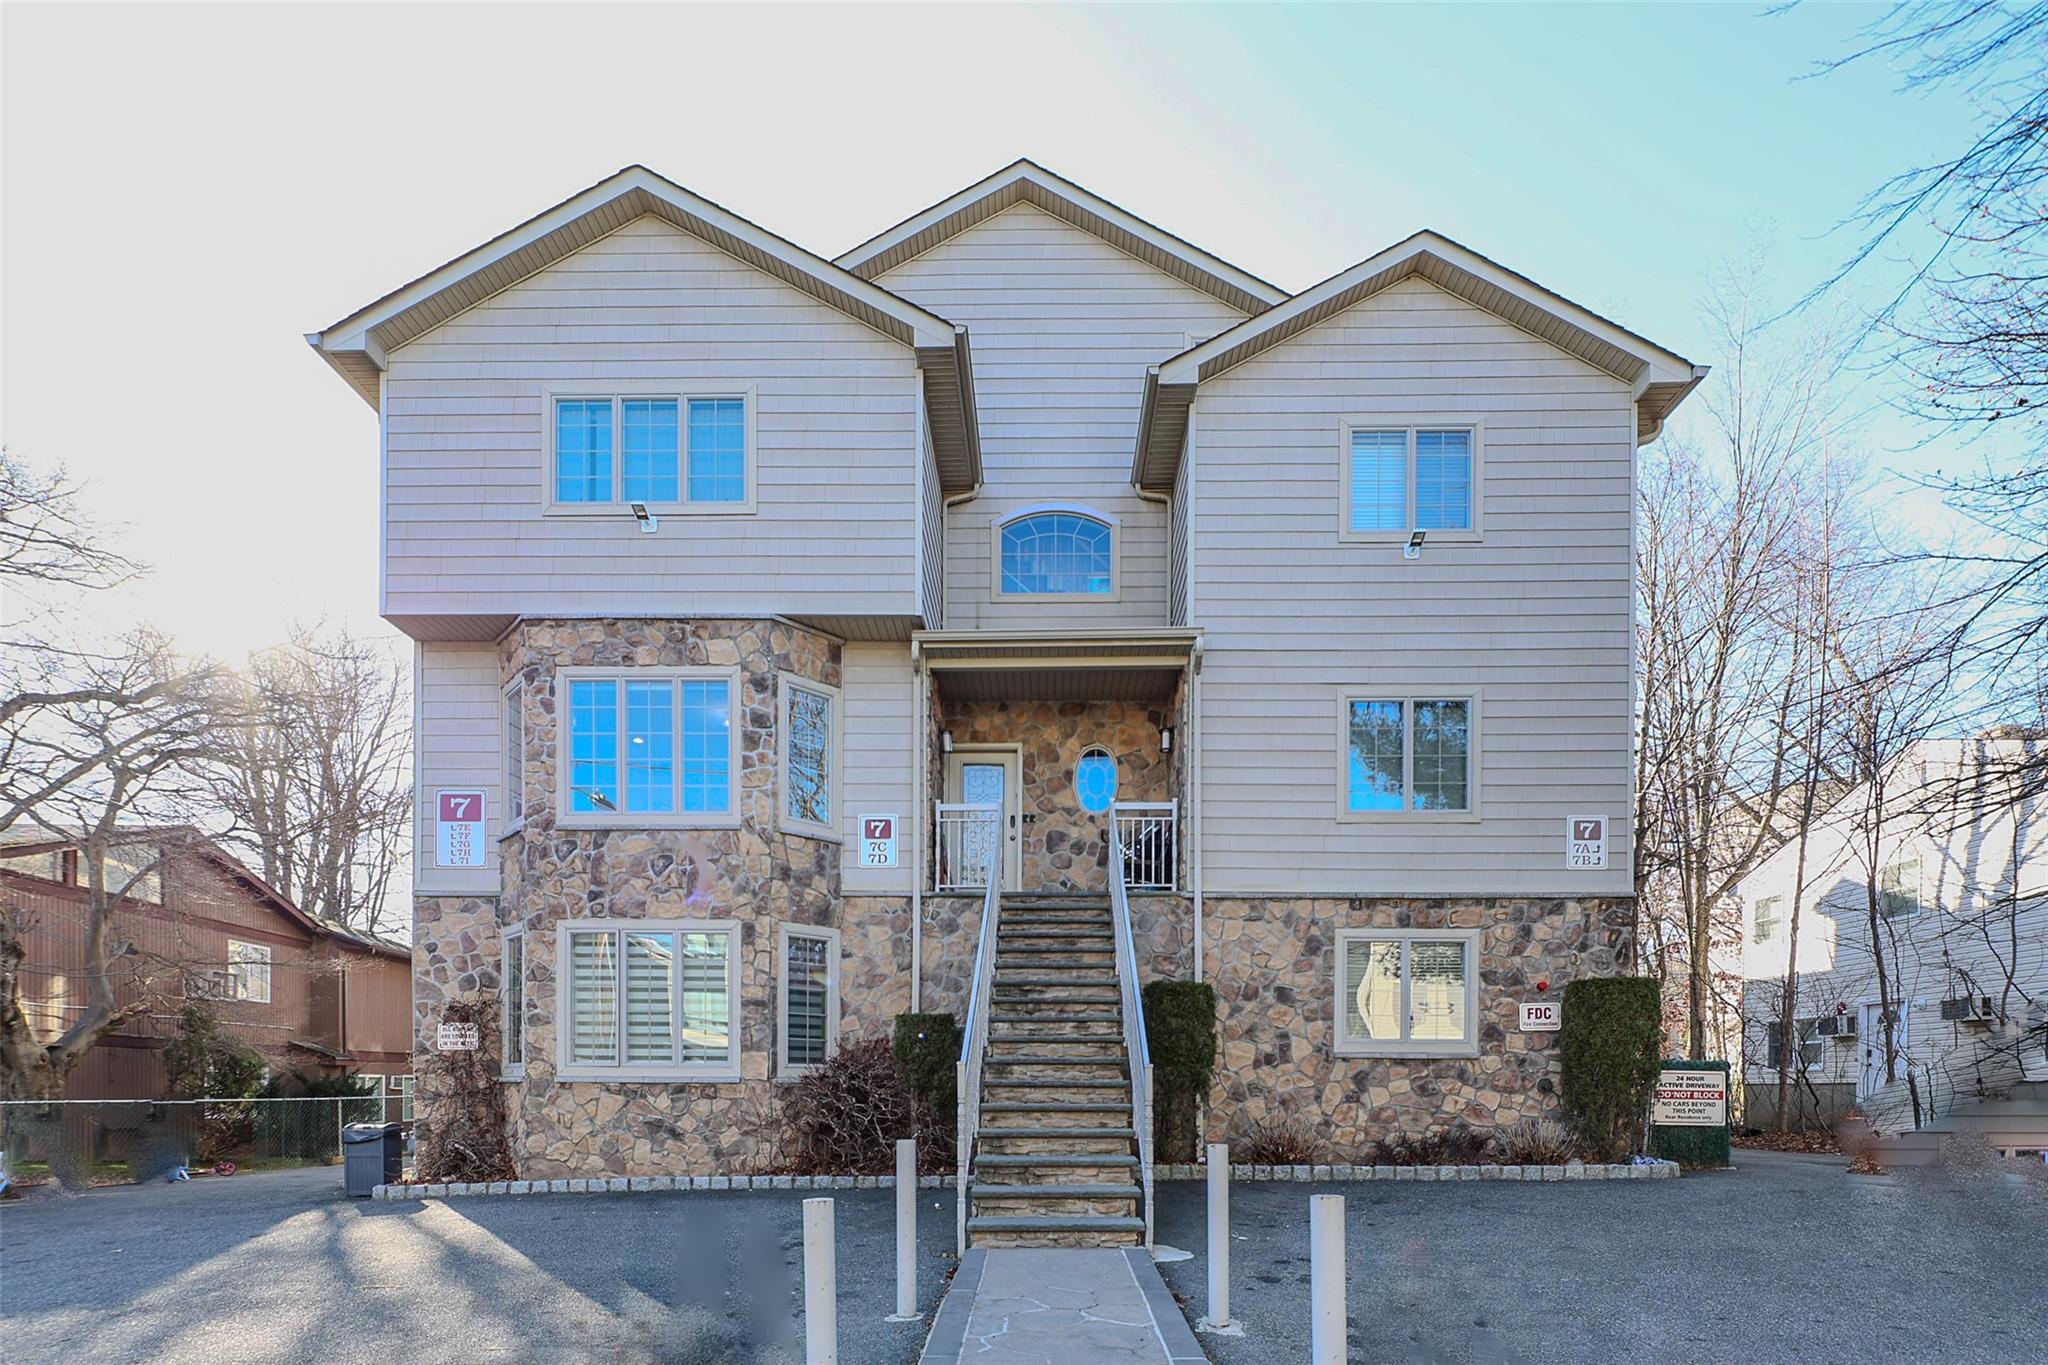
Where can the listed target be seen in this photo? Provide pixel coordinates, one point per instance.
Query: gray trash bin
(374, 1155)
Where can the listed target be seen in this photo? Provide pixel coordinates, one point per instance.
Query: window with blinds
(1407, 993)
(810, 991)
(1399, 479)
(651, 1000)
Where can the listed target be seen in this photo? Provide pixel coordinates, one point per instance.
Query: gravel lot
(1785, 1259)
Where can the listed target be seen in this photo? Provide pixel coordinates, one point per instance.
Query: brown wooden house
(197, 925)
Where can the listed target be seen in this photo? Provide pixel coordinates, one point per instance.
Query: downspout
(1195, 795)
(920, 726)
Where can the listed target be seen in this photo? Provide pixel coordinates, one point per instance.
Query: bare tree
(98, 750)
(45, 538)
(318, 782)
(1719, 569)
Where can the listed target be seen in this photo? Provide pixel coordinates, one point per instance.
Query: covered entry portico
(1037, 739)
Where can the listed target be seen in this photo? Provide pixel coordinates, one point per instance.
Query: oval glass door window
(1095, 780)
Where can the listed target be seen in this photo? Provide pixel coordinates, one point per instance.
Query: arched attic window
(1056, 552)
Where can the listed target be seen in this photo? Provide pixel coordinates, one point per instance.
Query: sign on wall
(1585, 842)
(1542, 1016)
(878, 841)
(456, 1038)
(1690, 1099)
(459, 829)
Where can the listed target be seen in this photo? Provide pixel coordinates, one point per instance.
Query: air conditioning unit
(1967, 1009)
(1840, 1027)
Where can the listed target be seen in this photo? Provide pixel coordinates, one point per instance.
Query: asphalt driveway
(1785, 1259)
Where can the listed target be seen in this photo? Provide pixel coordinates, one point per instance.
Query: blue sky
(172, 228)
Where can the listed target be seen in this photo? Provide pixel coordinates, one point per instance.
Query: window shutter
(594, 998)
(808, 989)
(1372, 989)
(707, 1006)
(1436, 990)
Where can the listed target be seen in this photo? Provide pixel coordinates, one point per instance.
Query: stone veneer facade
(1273, 964)
(1271, 960)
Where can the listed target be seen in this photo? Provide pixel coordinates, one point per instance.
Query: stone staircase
(1055, 1160)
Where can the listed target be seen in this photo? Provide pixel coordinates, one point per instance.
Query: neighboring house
(199, 926)
(1020, 512)
(1961, 878)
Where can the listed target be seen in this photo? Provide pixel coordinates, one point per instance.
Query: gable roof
(1660, 378)
(1026, 182)
(356, 345)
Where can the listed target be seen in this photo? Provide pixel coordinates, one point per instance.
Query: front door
(1870, 1039)
(990, 777)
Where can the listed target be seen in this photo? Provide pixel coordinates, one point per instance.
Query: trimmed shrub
(1456, 1145)
(927, 1048)
(1538, 1142)
(1283, 1141)
(1180, 1028)
(1609, 1040)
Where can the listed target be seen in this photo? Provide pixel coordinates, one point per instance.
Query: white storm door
(990, 778)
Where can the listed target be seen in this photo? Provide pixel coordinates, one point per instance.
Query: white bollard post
(1219, 1236)
(906, 1231)
(821, 1285)
(1327, 1314)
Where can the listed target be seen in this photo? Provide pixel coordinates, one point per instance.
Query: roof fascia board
(352, 332)
(1661, 365)
(1048, 182)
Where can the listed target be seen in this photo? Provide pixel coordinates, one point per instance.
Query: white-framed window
(515, 755)
(139, 867)
(674, 452)
(1769, 910)
(1898, 887)
(1401, 477)
(807, 997)
(649, 1000)
(1808, 1030)
(1055, 554)
(400, 1089)
(249, 971)
(1408, 755)
(1407, 992)
(648, 746)
(809, 727)
(512, 991)
(1095, 779)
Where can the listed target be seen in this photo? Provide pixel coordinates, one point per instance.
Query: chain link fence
(77, 1144)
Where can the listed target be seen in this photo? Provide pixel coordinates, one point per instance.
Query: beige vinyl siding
(457, 742)
(878, 703)
(651, 309)
(1063, 326)
(1535, 617)
(1179, 520)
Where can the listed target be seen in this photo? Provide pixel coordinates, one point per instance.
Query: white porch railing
(973, 1043)
(968, 846)
(1147, 831)
(1136, 1047)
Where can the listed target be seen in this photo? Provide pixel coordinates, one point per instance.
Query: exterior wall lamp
(1166, 740)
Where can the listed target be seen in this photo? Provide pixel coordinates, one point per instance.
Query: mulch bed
(1818, 1144)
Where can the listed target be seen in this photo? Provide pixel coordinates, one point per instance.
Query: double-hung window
(512, 990)
(515, 756)
(249, 971)
(1898, 887)
(1808, 1054)
(810, 757)
(673, 452)
(1407, 993)
(649, 746)
(1399, 479)
(1408, 754)
(1769, 909)
(808, 1008)
(648, 1000)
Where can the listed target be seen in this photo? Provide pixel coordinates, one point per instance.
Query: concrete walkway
(1059, 1306)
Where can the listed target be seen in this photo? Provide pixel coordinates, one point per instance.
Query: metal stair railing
(1137, 1050)
(973, 1043)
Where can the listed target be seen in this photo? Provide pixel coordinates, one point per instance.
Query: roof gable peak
(1024, 181)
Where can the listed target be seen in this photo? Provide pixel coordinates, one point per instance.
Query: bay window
(807, 1012)
(649, 746)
